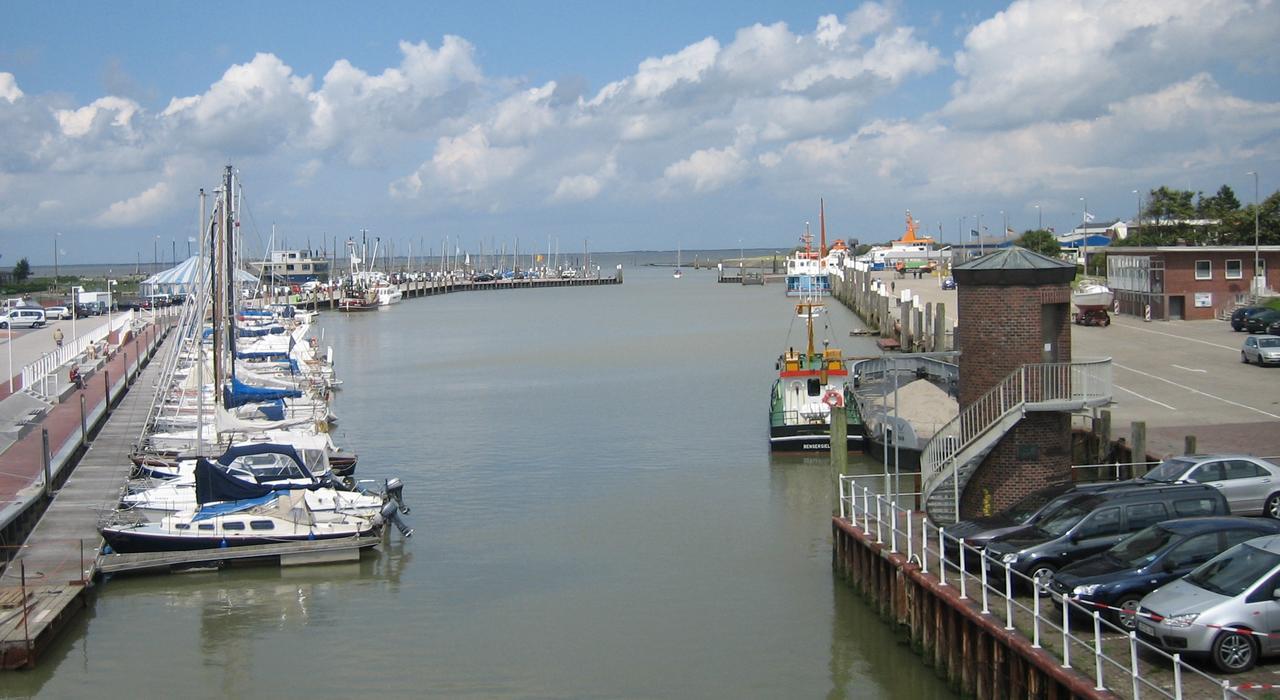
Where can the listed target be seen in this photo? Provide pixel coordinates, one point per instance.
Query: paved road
(1180, 377)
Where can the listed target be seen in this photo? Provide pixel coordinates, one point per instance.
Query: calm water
(597, 516)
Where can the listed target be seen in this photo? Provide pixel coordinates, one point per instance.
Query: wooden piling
(1138, 430)
(1189, 445)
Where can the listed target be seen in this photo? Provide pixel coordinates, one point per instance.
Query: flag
(1088, 218)
(973, 233)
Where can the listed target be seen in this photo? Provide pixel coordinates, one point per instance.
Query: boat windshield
(1169, 470)
(1233, 571)
(1141, 548)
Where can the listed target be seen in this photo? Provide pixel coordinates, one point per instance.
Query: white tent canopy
(181, 279)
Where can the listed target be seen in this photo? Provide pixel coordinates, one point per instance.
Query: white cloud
(79, 122)
(139, 209)
(464, 164)
(9, 88)
(707, 169)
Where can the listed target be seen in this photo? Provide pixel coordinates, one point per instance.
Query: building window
(1204, 271)
(1235, 270)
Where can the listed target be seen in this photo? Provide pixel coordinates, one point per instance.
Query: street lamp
(1137, 219)
(155, 253)
(1005, 218)
(1084, 231)
(1039, 219)
(1258, 282)
(110, 302)
(56, 236)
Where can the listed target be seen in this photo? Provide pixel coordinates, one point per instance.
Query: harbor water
(597, 515)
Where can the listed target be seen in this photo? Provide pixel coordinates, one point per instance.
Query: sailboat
(677, 274)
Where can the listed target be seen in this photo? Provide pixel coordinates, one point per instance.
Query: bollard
(1189, 445)
(84, 432)
(106, 379)
(44, 441)
(1138, 453)
(839, 439)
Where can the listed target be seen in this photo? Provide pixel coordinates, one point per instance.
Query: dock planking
(45, 584)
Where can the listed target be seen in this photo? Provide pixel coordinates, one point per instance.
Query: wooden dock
(45, 584)
(328, 299)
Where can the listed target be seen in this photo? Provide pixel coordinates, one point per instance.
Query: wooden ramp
(45, 584)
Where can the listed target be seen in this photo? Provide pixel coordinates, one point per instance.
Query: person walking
(57, 337)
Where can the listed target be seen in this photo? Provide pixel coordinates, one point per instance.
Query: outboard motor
(395, 492)
(392, 515)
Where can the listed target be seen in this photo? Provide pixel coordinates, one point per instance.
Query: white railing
(1043, 386)
(36, 376)
(1102, 651)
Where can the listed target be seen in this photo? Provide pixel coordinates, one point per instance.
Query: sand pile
(924, 404)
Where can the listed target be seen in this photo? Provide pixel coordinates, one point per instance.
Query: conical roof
(1014, 266)
(182, 277)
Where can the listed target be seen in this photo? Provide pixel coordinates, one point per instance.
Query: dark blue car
(1117, 579)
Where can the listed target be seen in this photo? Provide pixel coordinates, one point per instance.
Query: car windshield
(1033, 503)
(1065, 517)
(1231, 572)
(1169, 470)
(1269, 342)
(1141, 548)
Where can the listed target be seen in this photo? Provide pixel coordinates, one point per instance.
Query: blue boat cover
(259, 448)
(262, 355)
(255, 312)
(237, 393)
(273, 410)
(259, 332)
(215, 485)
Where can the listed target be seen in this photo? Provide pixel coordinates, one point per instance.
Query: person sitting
(74, 376)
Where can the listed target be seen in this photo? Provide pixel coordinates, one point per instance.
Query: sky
(619, 126)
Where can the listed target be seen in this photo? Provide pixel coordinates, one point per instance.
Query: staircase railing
(1049, 386)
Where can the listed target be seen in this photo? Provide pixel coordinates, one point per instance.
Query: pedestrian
(893, 286)
(57, 337)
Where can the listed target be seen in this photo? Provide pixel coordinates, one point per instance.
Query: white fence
(1117, 660)
(40, 376)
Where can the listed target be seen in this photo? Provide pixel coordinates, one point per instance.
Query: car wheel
(1128, 621)
(1042, 573)
(1234, 652)
(1271, 508)
(1243, 357)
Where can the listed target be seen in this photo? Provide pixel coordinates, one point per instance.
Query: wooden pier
(45, 584)
(328, 298)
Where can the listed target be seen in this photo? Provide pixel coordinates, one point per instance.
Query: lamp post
(110, 302)
(1137, 218)
(155, 253)
(1084, 231)
(982, 243)
(1039, 218)
(1258, 282)
(56, 241)
(1004, 216)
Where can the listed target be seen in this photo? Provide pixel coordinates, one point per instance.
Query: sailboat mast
(198, 339)
(822, 225)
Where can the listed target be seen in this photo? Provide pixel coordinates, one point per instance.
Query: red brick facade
(1000, 329)
(1178, 297)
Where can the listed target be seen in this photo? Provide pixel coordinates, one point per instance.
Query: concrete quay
(1180, 378)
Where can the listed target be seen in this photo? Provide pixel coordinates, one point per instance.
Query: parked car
(23, 317)
(1259, 322)
(1093, 522)
(86, 310)
(1262, 349)
(1214, 609)
(1241, 315)
(1250, 484)
(977, 532)
(948, 283)
(57, 312)
(1117, 579)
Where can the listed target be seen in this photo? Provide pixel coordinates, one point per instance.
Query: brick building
(1187, 282)
(1014, 310)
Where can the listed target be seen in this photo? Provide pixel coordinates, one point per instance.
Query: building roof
(184, 274)
(1014, 266)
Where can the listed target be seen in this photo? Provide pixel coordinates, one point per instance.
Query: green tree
(22, 270)
(1040, 241)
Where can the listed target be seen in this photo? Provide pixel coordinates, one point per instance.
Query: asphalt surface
(1180, 377)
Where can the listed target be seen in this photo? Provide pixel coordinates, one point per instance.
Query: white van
(23, 317)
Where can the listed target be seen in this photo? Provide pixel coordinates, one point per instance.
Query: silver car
(1262, 349)
(1251, 485)
(1225, 608)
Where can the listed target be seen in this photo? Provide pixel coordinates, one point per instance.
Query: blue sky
(639, 126)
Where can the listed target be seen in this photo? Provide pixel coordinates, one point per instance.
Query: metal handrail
(1087, 382)
(943, 557)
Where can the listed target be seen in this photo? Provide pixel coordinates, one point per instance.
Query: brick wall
(1180, 279)
(1036, 453)
(999, 331)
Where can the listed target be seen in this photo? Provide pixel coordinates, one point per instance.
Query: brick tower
(1013, 309)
